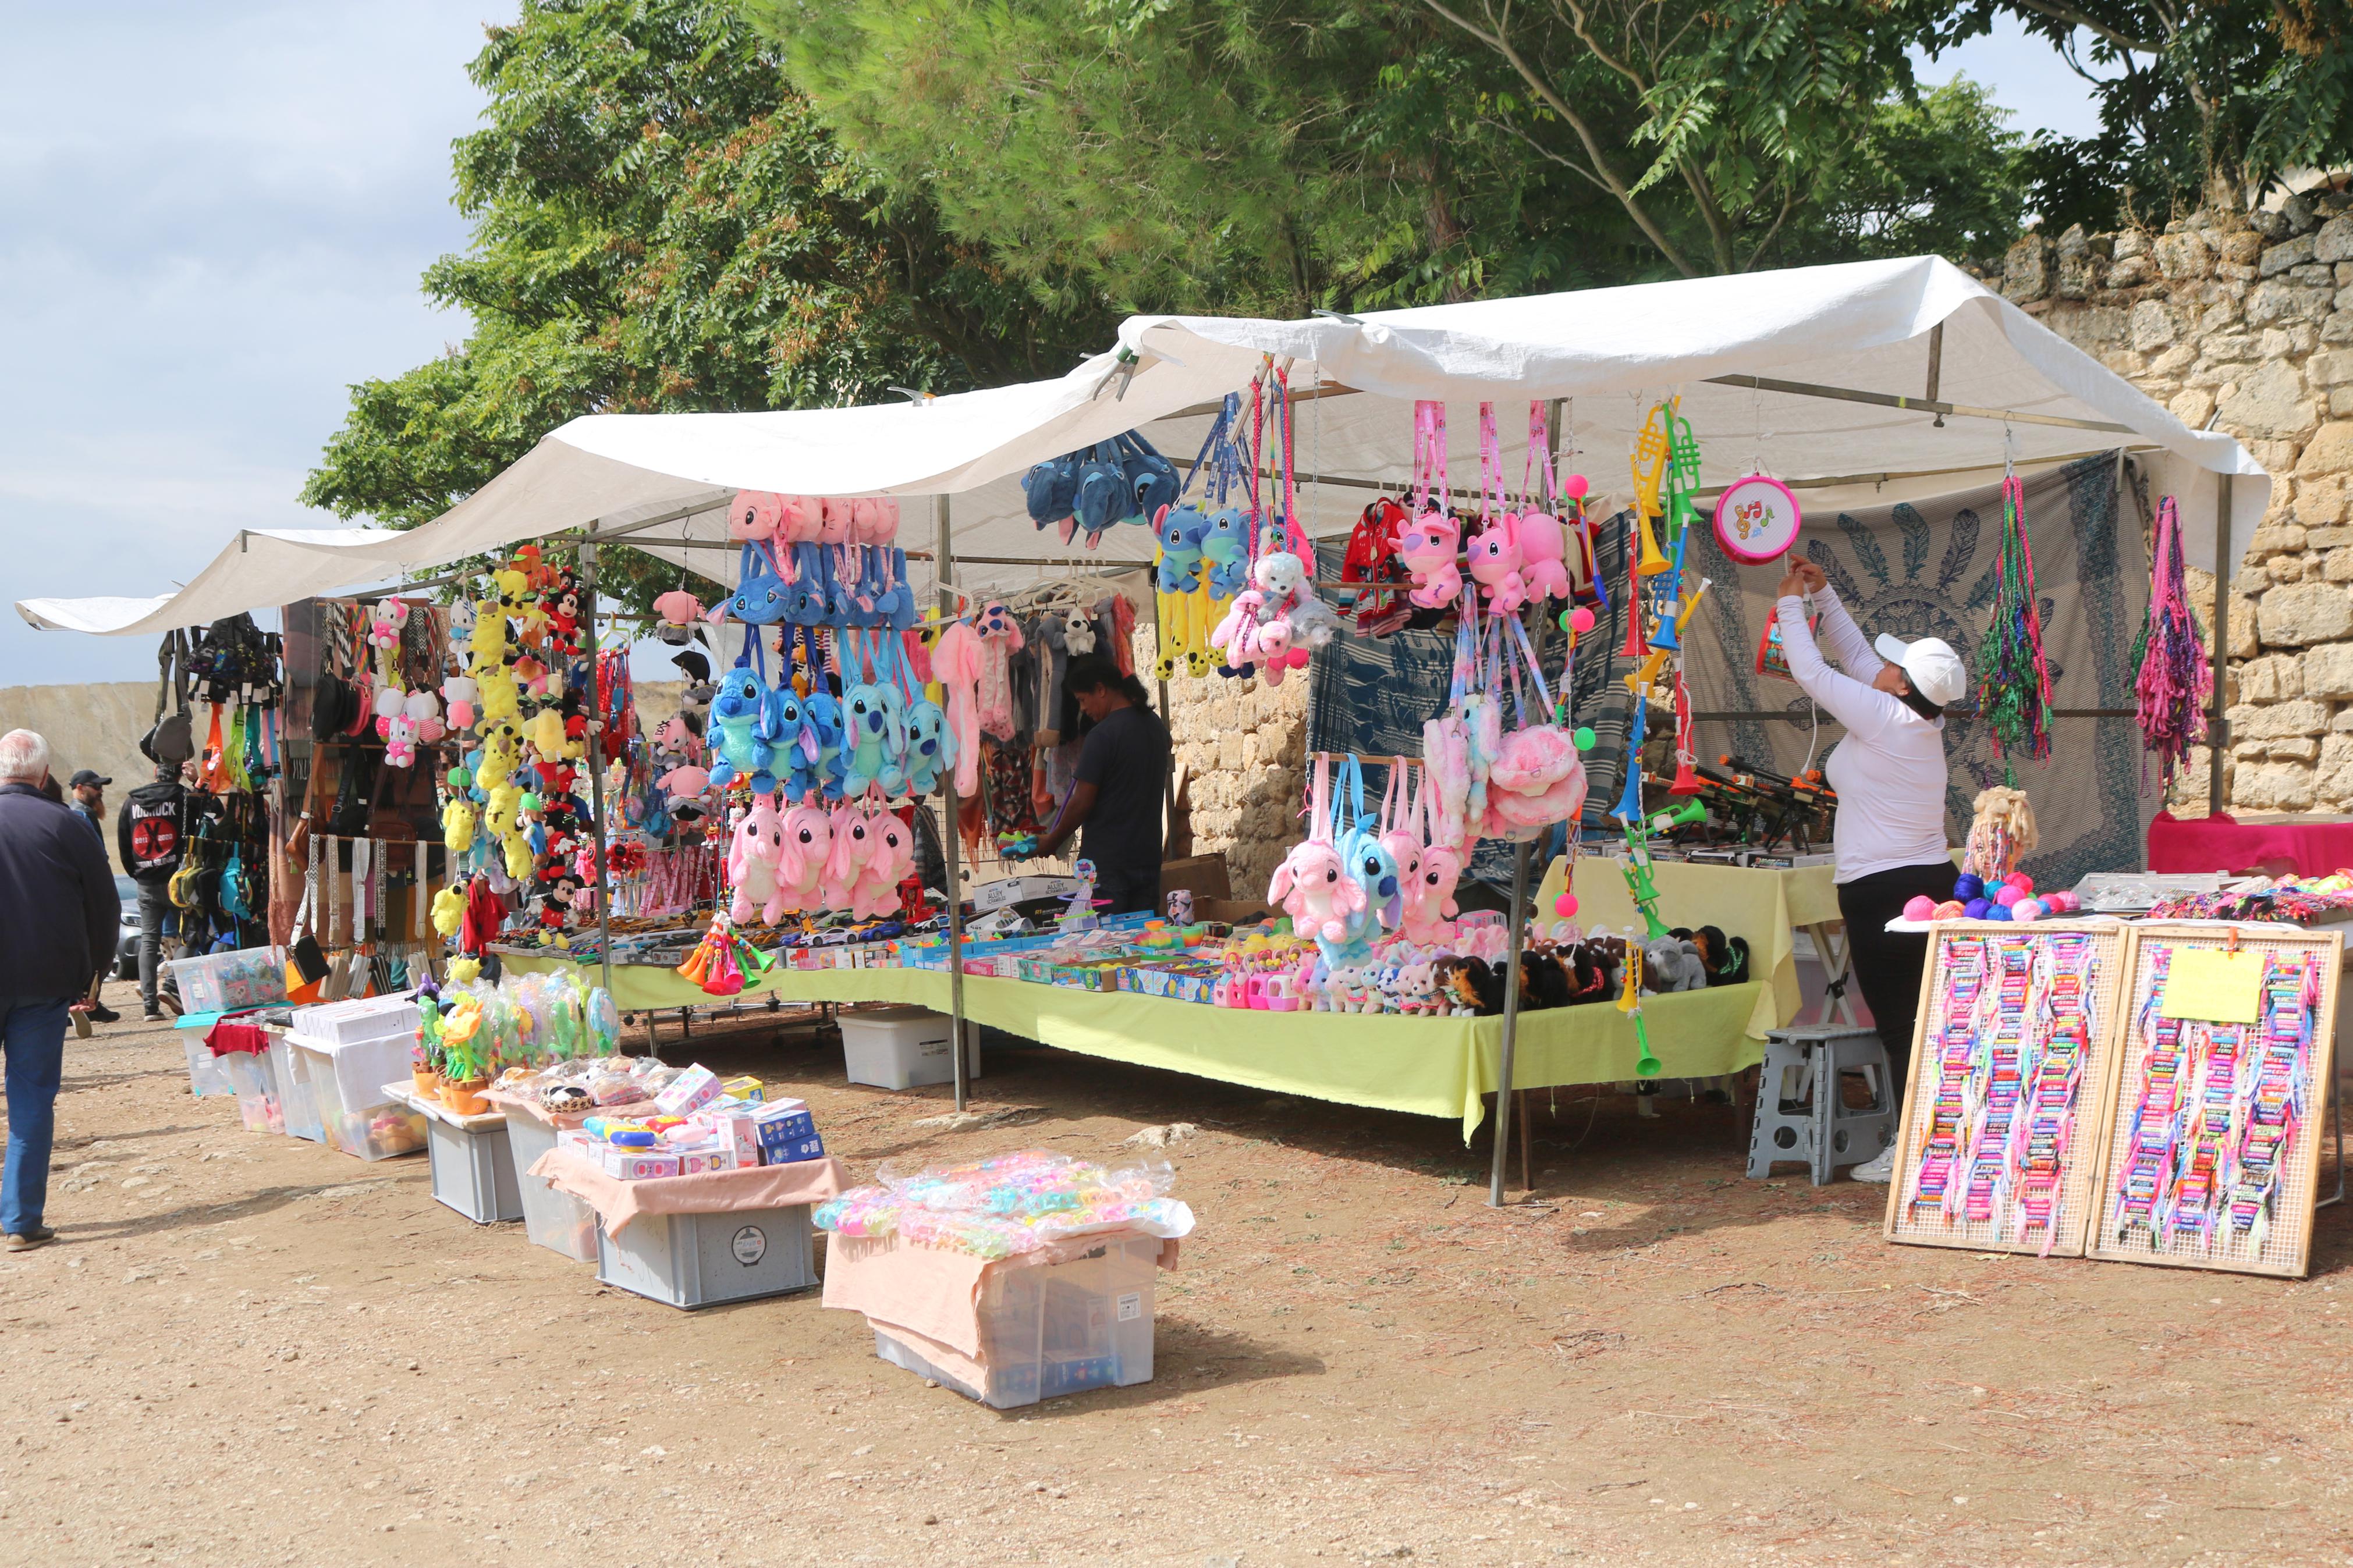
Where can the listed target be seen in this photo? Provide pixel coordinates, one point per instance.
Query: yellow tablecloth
(1762, 907)
(1429, 1067)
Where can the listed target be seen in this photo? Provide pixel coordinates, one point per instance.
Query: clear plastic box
(294, 1097)
(1051, 1329)
(256, 1084)
(204, 1075)
(556, 1220)
(378, 1132)
(223, 982)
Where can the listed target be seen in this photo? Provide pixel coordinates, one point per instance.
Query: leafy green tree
(2200, 101)
(662, 224)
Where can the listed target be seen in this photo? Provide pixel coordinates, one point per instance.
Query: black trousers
(1129, 891)
(1886, 965)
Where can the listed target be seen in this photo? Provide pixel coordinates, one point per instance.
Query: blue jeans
(34, 1031)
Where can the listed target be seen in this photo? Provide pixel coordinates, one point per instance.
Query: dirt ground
(249, 1349)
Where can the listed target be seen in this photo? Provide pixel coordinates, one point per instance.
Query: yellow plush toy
(547, 734)
(458, 826)
(465, 971)
(499, 755)
(448, 914)
(502, 697)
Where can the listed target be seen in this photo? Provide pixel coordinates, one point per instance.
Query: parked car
(126, 945)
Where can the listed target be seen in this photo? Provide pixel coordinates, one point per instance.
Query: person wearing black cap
(90, 799)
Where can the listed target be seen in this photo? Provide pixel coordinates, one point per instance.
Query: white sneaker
(1883, 1169)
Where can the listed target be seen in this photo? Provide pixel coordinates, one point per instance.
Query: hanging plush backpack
(1050, 488)
(1151, 479)
(1105, 494)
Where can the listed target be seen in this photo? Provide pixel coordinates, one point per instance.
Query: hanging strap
(1218, 428)
(1319, 801)
(1528, 651)
(1352, 779)
(1539, 447)
(1491, 502)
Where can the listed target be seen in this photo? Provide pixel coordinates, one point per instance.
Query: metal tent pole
(942, 562)
(2217, 727)
(1511, 1024)
(597, 770)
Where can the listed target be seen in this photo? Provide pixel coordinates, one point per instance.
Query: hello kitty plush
(1496, 558)
(423, 711)
(754, 861)
(462, 695)
(1428, 548)
(1316, 890)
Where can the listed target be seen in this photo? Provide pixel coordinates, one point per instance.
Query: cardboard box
(638, 1165)
(1203, 875)
(738, 1129)
(745, 1088)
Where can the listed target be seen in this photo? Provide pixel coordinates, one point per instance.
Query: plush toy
(1677, 964)
(802, 853)
(458, 826)
(737, 751)
(1429, 896)
(825, 720)
(955, 663)
(1283, 578)
(876, 742)
(753, 515)
(501, 749)
(1428, 548)
(1180, 530)
(931, 746)
(1225, 551)
(755, 863)
(1315, 888)
(448, 911)
(785, 725)
(1543, 556)
(851, 843)
(890, 860)
(1494, 554)
(1078, 631)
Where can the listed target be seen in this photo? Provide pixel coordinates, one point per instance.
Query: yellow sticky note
(2221, 987)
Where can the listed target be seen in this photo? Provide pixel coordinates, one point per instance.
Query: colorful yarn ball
(2063, 903)
(1966, 887)
(2007, 895)
(2020, 880)
(1950, 909)
(1999, 913)
(2027, 910)
(1976, 908)
(1919, 907)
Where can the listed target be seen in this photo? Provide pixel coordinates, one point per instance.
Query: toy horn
(1690, 812)
(1686, 777)
(1652, 562)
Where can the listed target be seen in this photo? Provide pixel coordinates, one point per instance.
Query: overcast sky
(212, 220)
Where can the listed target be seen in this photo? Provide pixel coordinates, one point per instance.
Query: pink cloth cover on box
(512, 1100)
(2195, 846)
(933, 1294)
(618, 1201)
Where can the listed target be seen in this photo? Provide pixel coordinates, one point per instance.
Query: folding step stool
(1801, 1114)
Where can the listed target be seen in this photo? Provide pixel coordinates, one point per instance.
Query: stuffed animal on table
(1674, 965)
(1315, 888)
(755, 863)
(738, 750)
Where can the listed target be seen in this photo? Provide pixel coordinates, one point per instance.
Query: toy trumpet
(1683, 815)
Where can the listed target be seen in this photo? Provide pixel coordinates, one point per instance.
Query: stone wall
(2250, 317)
(1241, 746)
(94, 726)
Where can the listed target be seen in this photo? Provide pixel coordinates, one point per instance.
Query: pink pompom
(1950, 909)
(1575, 487)
(1920, 908)
(1565, 906)
(1580, 620)
(2027, 910)
(2007, 896)
(2020, 880)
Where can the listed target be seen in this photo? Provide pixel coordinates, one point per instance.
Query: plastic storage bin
(473, 1172)
(369, 1132)
(204, 1075)
(705, 1259)
(552, 1219)
(220, 982)
(294, 1096)
(1047, 1330)
(255, 1083)
(358, 1019)
(900, 1048)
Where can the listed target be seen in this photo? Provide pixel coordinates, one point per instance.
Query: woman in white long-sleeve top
(1889, 772)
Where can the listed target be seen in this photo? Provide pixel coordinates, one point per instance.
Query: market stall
(1788, 378)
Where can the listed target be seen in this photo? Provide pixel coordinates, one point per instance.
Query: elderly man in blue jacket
(58, 914)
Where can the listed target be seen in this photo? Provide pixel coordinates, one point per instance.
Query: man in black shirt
(1122, 775)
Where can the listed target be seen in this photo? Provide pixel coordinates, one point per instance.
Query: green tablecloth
(1429, 1067)
(1762, 907)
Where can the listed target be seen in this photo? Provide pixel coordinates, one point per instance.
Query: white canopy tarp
(1612, 353)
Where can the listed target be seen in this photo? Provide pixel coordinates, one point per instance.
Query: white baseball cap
(1935, 670)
